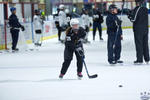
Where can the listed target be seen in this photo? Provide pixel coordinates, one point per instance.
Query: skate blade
(138, 64)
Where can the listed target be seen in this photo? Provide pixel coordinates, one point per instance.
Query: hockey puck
(120, 86)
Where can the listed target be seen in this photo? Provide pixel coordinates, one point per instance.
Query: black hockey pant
(114, 53)
(15, 36)
(141, 44)
(68, 55)
(95, 26)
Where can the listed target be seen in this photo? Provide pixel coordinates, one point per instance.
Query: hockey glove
(90, 24)
(80, 51)
(22, 28)
(121, 37)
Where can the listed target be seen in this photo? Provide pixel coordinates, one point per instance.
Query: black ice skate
(101, 39)
(138, 62)
(38, 44)
(147, 62)
(15, 50)
(79, 74)
(119, 61)
(113, 63)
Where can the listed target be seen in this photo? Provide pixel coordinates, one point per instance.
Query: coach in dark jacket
(139, 17)
(14, 28)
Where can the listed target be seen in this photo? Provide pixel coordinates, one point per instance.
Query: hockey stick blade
(93, 76)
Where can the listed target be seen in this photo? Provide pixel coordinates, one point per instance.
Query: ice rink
(33, 75)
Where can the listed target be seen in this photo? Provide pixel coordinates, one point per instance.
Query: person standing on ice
(62, 21)
(37, 23)
(139, 17)
(14, 28)
(68, 15)
(97, 21)
(73, 44)
(56, 18)
(114, 32)
(86, 23)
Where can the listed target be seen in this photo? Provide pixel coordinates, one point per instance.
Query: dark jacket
(140, 22)
(98, 19)
(112, 27)
(74, 40)
(13, 21)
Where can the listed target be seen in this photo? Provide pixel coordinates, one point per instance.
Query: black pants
(114, 53)
(95, 26)
(141, 44)
(68, 55)
(15, 36)
(59, 34)
(59, 31)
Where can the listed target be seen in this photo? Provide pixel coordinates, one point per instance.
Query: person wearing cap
(86, 24)
(14, 28)
(73, 44)
(114, 32)
(139, 17)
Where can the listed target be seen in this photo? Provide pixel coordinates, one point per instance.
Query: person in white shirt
(85, 23)
(37, 23)
(62, 21)
(68, 15)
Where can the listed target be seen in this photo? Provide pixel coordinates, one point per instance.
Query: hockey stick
(116, 36)
(90, 76)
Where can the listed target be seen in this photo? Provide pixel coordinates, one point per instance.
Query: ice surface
(33, 75)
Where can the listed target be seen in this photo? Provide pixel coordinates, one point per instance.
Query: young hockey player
(139, 17)
(37, 22)
(68, 15)
(14, 28)
(97, 21)
(85, 23)
(73, 44)
(62, 22)
(114, 32)
(56, 18)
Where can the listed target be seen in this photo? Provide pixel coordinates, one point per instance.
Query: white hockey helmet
(74, 22)
(61, 6)
(67, 11)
